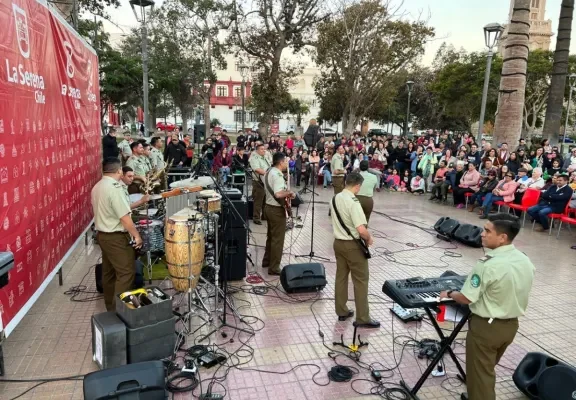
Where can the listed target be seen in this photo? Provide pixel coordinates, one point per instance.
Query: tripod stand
(311, 255)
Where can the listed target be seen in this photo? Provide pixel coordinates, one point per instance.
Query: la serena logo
(18, 74)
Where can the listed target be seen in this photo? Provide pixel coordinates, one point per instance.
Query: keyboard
(422, 292)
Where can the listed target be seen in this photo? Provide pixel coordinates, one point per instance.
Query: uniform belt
(496, 319)
(113, 233)
(344, 240)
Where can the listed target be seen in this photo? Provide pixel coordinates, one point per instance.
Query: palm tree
(508, 125)
(555, 104)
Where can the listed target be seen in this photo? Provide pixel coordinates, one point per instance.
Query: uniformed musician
(113, 222)
(124, 146)
(138, 163)
(350, 258)
(276, 192)
(125, 181)
(259, 165)
(156, 156)
(497, 291)
(338, 171)
(146, 152)
(366, 193)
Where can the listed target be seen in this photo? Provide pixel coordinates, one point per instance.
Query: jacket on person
(557, 198)
(508, 190)
(470, 180)
(488, 185)
(110, 147)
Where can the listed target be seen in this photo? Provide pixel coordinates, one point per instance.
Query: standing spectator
(110, 145)
(426, 166)
(474, 156)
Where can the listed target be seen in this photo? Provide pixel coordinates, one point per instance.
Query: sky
(458, 22)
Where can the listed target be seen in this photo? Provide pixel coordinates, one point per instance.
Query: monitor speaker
(541, 377)
(446, 226)
(470, 235)
(302, 278)
(144, 381)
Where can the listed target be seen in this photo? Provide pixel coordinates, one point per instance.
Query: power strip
(406, 315)
(212, 396)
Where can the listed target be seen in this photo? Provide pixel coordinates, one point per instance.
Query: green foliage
(215, 122)
(360, 51)
(264, 36)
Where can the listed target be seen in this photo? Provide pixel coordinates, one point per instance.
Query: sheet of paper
(453, 314)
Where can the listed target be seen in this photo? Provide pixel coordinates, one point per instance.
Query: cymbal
(203, 181)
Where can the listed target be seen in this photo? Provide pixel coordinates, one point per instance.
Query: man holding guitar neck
(350, 239)
(276, 195)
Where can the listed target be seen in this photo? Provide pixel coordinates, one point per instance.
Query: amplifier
(301, 278)
(108, 340)
(6, 264)
(241, 205)
(144, 381)
(233, 253)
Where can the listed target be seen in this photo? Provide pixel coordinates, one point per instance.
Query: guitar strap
(267, 184)
(340, 218)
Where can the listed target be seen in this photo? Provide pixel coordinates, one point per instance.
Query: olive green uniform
(350, 259)
(110, 203)
(258, 191)
(125, 150)
(498, 289)
(141, 166)
(157, 159)
(337, 163)
(276, 217)
(366, 193)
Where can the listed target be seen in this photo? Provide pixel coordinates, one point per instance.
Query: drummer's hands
(145, 199)
(137, 242)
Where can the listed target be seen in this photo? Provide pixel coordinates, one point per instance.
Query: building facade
(540, 27)
(226, 99)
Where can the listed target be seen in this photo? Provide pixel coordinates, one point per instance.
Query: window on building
(252, 117)
(221, 91)
(238, 116)
(238, 91)
(534, 16)
(535, 3)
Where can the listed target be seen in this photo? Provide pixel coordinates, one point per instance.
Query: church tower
(540, 28)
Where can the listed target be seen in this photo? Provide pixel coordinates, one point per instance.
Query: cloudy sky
(456, 21)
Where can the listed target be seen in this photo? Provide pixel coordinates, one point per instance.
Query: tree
(264, 34)
(560, 71)
(298, 108)
(508, 125)
(360, 50)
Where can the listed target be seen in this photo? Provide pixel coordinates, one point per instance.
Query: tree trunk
(555, 105)
(508, 124)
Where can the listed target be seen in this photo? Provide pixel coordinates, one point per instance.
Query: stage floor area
(280, 359)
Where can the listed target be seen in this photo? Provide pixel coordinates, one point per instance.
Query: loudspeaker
(541, 377)
(470, 235)
(302, 278)
(241, 205)
(446, 226)
(233, 253)
(199, 133)
(144, 381)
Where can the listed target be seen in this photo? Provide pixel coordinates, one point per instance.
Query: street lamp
(572, 83)
(409, 85)
(141, 17)
(492, 33)
(244, 73)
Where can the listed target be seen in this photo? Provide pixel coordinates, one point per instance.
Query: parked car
(169, 127)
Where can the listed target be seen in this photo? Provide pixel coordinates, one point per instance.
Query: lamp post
(409, 85)
(572, 83)
(492, 33)
(244, 72)
(141, 17)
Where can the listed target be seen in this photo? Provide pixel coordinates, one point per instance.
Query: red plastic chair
(466, 196)
(531, 198)
(566, 218)
(501, 203)
(554, 216)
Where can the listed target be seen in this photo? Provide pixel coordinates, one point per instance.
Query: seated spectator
(450, 178)
(468, 184)
(393, 181)
(325, 169)
(504, 191)
(439, 179)
(418, 185)
(553, 200)
(405, 182)
(570, 162)
(487, 167)
(534, 182)
(487, 186)
(522, 176)
(554, 169)
(376, 167)
(492, 156)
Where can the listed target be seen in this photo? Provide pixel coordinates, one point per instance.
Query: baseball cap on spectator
(522, 170)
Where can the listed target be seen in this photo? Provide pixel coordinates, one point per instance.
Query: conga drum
(184, 241)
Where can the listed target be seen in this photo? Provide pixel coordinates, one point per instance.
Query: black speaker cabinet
(144, 381)
(446, 226)
(233, 254)
(541, 377)
(301, 278)
(470, 235)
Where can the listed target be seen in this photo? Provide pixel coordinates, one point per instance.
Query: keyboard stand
(445, 343)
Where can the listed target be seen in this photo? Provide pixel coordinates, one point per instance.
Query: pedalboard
(406, 315)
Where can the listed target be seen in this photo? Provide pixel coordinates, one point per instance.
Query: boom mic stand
(224, 283)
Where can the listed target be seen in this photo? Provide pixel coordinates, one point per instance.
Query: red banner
(49, 146)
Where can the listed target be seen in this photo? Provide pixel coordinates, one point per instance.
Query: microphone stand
(311, 176)
(312, 255)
